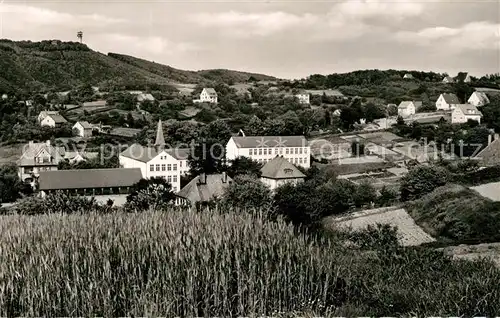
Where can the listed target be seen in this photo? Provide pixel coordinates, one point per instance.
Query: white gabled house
(448, 80)
(447, 101)
(463, 112)
(51, 119)
(263, 149)
(208, 95)
(478, 99)
(408, 76)
(83, 129)
(406, 109)
(304, 98)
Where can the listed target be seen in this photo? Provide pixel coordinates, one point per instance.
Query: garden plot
(409, 233)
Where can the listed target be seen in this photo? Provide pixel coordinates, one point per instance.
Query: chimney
(31, 143)
(203, 178)
(47, 143)
(224, 177)
(495, 137)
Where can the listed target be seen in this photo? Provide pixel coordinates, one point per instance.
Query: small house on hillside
(5, 96)
(406, 109)
(51, 119)
(478, 99)
(448, 80)
(203, 188)
(303, 98)
(467, 79)
(83, 129)
(279, 171)
(408, 76)
(208, 95)
(464, 112)
(447, 101)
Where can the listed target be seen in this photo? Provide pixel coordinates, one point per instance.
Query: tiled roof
(31, 151)
(405, 104)
(451, 98)
(85, 124)
(89, 178)
(214, 186)
(469, 109)
(146, 154)
(490, 156)
(270, 141)
(211, 91)
(280, 168)
(58, 119)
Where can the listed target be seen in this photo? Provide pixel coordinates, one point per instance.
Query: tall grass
(181, 263)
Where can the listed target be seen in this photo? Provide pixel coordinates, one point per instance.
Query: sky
(283, 38)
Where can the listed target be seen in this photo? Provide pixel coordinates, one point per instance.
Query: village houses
(280, 171)
(51, 119)
(83, 129)
(263, 149)
(478, 99)
(464, 112)
(447, 101)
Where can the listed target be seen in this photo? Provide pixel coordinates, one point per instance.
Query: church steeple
(160, 139)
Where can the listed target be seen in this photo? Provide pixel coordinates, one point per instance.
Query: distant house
(5, 96)
(203, 188)
(463, 112)
(51, 119)
(83, 129)
(279, 171)
(447, 101)
(326, 92)
(37, 157)
(408, 76)
(406, 109)
(448, 80)
(490, 156)
(337, 112)
(89, 182)
(141, 97)
(467, 79)
(303, 98)
(79, 156)
(208, 95)
(89, 106)
(478, 99)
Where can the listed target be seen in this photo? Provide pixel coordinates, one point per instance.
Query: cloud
(344, 20)
(140, 45)
(471, 36)
(19, 16)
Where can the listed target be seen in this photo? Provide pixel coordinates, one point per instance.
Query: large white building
(263, 149)
(158, 161)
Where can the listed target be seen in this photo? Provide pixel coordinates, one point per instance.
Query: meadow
(222, 263)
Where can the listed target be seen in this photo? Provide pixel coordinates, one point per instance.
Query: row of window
(296, 161)
(166, 157)
(163, 167)
(279, 150)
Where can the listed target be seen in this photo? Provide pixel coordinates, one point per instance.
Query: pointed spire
(160, 140)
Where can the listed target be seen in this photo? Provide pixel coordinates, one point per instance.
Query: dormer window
(288, 171)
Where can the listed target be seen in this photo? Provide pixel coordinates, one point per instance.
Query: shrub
(247, 192)
(422, 180)
(154, 193)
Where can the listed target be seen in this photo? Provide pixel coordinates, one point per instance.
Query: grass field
(10, 154)
(181, 263)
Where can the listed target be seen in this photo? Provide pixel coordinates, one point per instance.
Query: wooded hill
(56, 65)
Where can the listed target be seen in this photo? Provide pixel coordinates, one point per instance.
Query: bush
(247, 192)
(422, 180)
(154, 193)
(59, 202)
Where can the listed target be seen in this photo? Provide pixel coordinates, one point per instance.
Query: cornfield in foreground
(181, 263)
